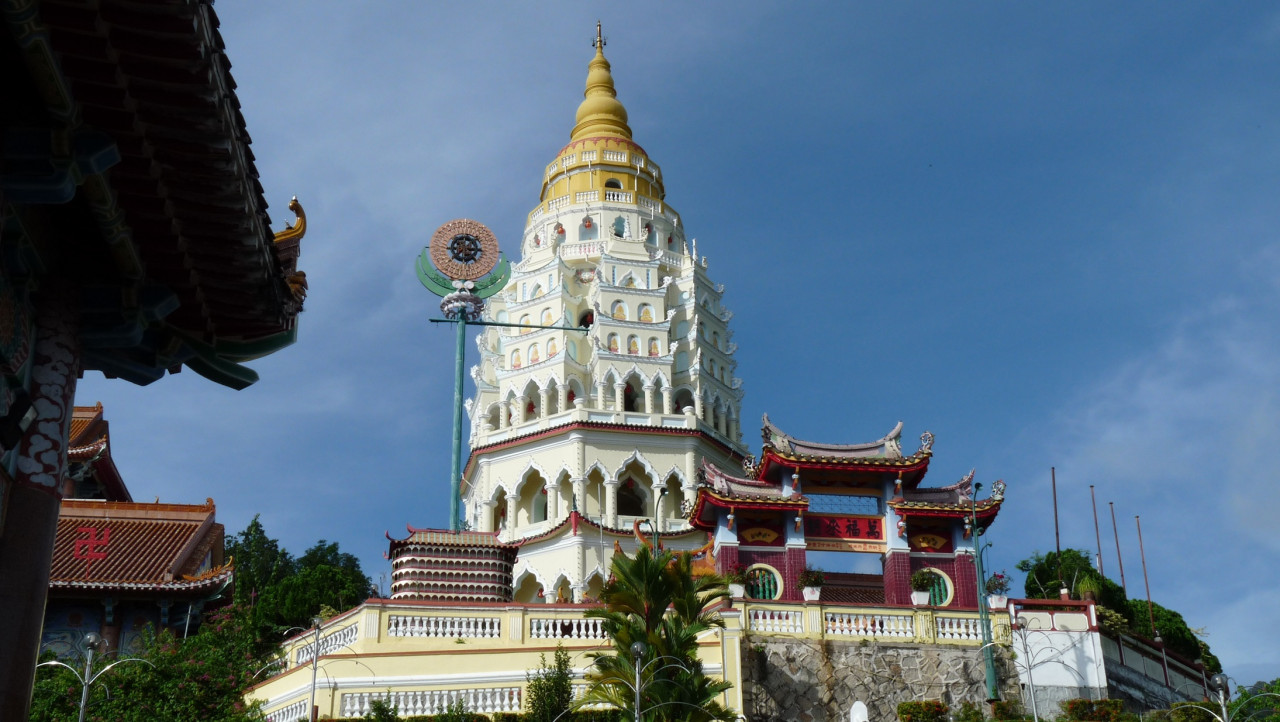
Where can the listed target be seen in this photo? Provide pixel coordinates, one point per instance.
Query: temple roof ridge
(887, 446)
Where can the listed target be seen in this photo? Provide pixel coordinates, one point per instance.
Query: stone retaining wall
(801, 680)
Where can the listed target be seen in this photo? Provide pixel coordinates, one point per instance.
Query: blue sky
(1045, 234)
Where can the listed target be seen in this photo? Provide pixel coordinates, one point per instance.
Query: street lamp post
(92, 642)
(984, 621)
(315, 658)
(637, 653)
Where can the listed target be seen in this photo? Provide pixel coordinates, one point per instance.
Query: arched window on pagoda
(524, 321)
(534, 356)
(540, 506)
(629, 398)
(763, 583)
(633, 345)
(587, 319)
(552, 348)
(547, 318)
(646, 313)
(613, 183)
(618, 310)
(630, 498)
(653, 347)
(516, 361)
(613, 343)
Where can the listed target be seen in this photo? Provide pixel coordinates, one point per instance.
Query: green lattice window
(938, 591)
(762, 584)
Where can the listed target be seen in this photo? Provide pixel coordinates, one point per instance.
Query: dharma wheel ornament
(454, 266)
(462, 264)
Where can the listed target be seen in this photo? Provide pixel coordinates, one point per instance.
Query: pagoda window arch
(491, 414)
(763, 582)
(528, 590)
(534, 356)
(684, 400)
(588, 231)
(537, 291)
(552, 349)
(548, 319)
(498, 521)
(587, 319)
(613, 343)
(653, 347)
(516, 360)
(675, 497)
(633, 345)
(631, 396)
(613, 183)
(646, 313)
(524, 321)
(594, 495)
(715, 340)
(618, 310)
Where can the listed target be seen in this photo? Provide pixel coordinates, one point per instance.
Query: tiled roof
(444, 537)
(125, 545)
(733, 487)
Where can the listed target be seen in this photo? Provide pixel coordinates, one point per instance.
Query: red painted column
(897, 577)
(965, 577)
(31, 519)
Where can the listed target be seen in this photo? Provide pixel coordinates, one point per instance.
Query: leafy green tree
(202, 677)
(549, 690)
(1257, 702)
(655, 599)
(285, 592)
(380, 711)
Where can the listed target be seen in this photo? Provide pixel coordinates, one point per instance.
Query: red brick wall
(966, 581)
(897, 577)
(788, 562)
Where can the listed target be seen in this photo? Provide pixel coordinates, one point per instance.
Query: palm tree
(654, 599)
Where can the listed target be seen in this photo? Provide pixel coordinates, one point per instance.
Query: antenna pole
(1097, 534)
(1151, 614)
(1119, 558)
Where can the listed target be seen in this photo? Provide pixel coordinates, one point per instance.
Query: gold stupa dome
(600, 114)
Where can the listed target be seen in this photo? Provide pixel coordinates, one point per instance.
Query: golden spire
(600, 112)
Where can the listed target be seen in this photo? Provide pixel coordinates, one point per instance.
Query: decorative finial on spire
(600, 113)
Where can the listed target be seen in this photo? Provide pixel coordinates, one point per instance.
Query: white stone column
(697, 406)
(553, 501)
(562, 397)
(611, 502)
(504, 411)
(600, 400)
(617, 397)
(667, 400)
(513, 508)
(545, 398)
(648, 398)
(579, 485)
(519, 412)
(486, 515)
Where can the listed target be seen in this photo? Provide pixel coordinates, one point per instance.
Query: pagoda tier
(442, 565)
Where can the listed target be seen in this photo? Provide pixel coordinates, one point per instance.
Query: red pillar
(897, 577)
(966, 581)
(31, 518)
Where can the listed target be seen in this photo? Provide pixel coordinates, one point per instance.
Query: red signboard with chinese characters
(828, 532)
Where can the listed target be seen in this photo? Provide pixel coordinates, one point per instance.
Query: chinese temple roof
(716, 489)
(91, 472)
(111, 547)
(445, 537)
(882, 455)
(954, 501)
(128, 173)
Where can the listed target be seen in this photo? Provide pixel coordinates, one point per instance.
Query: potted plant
(922, 580)
(737, 579)
(1088, 587)
(998, 590)
(811, 581)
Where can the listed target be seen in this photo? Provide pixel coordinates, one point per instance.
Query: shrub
(1008, 710)
(736, 575)
(1093, 710)
(927, 711)
(1189, 712)
(968, 712)
(922, 580)
(811, 577)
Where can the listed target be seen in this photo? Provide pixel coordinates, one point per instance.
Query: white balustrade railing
(580, 628)
(788, 621)
(486, 700)
(586, 196)
(569, 160)
(556, 204)
(399, 625)
(329, 643)
(869, 625)
(538, 213)
(962, 629)
(617, 196)
(581, 250)
(650, 205)
(292, 713)
(588, 156)
(615, 156)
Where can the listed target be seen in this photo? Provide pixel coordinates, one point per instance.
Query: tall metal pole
(88, 678)
(988, 660)
(315, 658)
(1097, 533)
(455, 479)
(1115, 530)
(1150, 609)
(1057, 538)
